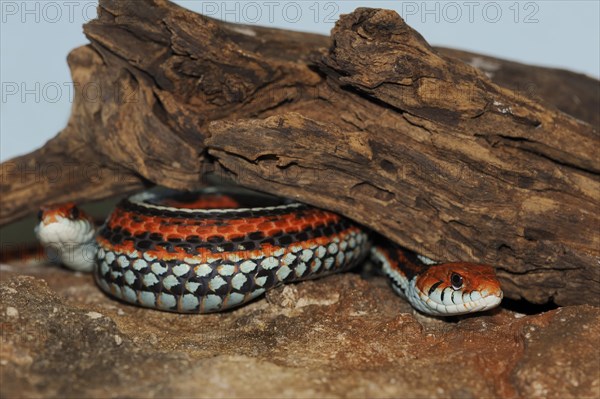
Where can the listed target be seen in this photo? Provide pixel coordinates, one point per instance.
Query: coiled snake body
(213, 250)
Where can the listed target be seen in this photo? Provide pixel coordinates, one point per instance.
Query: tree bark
(444, 158)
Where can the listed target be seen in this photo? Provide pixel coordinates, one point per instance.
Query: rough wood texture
(373, 123)
(572, 93)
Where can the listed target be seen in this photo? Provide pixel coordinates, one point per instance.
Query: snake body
(214, 250)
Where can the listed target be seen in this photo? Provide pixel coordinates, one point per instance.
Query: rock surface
(341, 336)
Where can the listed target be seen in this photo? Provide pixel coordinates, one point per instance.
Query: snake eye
(456, 280)
(74, 213)
(40, 215)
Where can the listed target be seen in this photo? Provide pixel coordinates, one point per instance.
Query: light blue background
(36, 37)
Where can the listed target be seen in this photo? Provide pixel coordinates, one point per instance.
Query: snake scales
(217, 249)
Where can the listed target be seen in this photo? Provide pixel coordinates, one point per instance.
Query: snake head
(53, 214)
(64, 226)
(458, 288)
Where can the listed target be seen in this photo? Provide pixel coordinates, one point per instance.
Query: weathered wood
(573, 93)
(373, 123)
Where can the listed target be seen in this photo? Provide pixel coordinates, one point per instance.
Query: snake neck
(402, 267)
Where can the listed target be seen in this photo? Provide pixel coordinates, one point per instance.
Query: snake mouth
(456, 302)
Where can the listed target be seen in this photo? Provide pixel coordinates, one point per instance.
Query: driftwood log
(495, 164)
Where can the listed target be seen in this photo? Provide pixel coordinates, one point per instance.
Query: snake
(218, 248)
